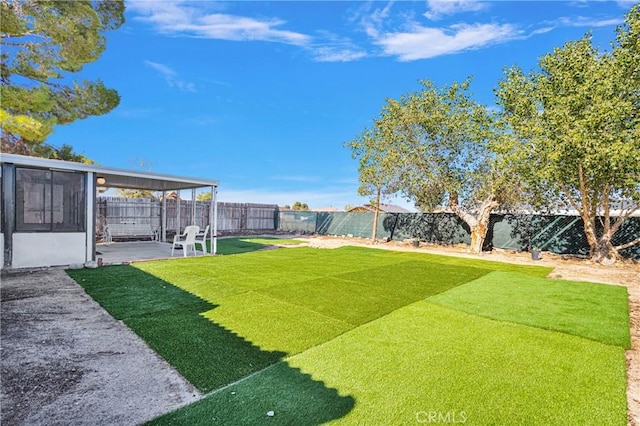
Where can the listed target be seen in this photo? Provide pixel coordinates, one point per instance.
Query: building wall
(1, 250)
(32, 250)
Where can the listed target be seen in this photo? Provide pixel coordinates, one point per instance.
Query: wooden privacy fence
(232, 217)
(115, 210)
(247, 217)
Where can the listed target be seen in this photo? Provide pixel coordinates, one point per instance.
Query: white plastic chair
(106, 235)
(186, 240)
(201, 239)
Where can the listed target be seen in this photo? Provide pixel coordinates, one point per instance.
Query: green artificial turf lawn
(275, 325)
(245, 245)
(308, 296)
(294, 397)
(267, 303)
(346, 335)
(535, 270)
(424, 359)
(207, 354)
(594, 311)
(127, 292)
(170, 321)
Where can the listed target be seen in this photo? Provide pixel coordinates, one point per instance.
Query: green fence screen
(555, 233)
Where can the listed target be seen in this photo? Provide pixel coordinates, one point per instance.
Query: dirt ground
(64, 360)
(565, 267)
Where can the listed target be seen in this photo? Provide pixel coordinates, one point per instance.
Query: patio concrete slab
(126, 252)
(65, 360)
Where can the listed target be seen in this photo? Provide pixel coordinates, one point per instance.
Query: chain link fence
(561, 234)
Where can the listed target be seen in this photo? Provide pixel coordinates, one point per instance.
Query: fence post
(164, 216)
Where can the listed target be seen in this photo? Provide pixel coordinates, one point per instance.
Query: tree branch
(623, 217)
(606, 206)
(627, 245)
(468, 218)
(573, 202)
(41, 80)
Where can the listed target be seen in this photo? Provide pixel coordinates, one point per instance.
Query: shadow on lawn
(279, 394)
(208, 355)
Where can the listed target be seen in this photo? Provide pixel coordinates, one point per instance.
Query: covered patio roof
(115, 178)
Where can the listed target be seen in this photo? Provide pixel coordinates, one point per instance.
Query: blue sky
(262, 95)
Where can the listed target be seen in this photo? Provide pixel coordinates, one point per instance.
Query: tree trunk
(480, 225)
(478, 235)
(600, 248)
(375, 218)
(603, 251)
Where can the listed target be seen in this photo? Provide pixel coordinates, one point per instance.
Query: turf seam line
(304, 307)
(242, 379)
(355, 327)
(525, 325)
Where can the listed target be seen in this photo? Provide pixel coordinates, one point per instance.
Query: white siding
(31, 250)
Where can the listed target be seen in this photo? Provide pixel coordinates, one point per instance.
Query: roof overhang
(114, 178)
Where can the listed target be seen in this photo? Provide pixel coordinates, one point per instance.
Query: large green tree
(434, 147)
(204, 196)
(575, 132)
(43, 43)
(378, 171)
(65, 153)
(300, 206)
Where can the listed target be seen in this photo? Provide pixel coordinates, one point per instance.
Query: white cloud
(439, 8)
(296, 178)
(371, 22)
(197, 20)
(583, 21)
(334, 48)
(229, 27)
(411, 40)
(425, 42)
(332, 54)
(577, 21)
(626, 3)
(171, 77)
(178, 18)
(543, 30)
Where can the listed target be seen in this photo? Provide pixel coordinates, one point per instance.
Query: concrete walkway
(65, 360)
